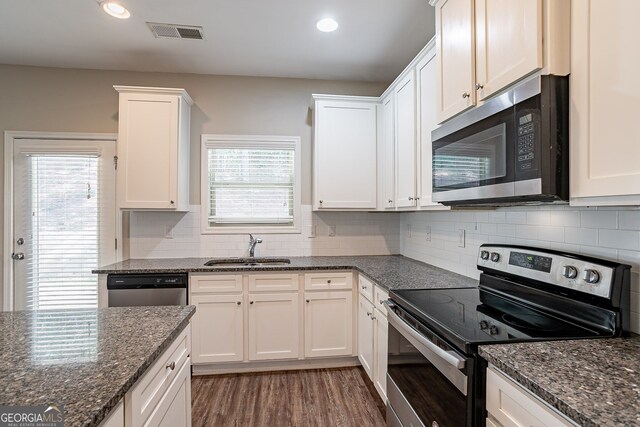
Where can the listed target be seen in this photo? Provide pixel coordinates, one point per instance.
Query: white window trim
(240, 141)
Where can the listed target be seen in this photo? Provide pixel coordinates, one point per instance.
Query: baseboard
(273, 365)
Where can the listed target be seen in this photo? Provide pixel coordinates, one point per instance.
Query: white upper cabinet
(387, 150)
(405, 99)
(604, 134)
(456, 52)
(484, 46)
(153, 148)
(508, 42)
(427, 94)
(344, 152)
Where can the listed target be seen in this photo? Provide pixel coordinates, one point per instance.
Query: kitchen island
(592, 382)
(86, 360)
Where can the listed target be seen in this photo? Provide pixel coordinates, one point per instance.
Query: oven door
(427, 380)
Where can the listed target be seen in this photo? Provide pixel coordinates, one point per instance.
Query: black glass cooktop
(468, 317)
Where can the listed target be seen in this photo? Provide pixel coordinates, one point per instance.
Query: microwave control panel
(526, 142)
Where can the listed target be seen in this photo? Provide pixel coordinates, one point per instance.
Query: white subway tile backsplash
(605, 233)
(599, 219)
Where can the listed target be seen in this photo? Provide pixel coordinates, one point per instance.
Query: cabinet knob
(364, 287)
(239, 302)
(410, 198)
(329, 281)
(320, 201)
(307, 300)
(389, 201)
(250, 302)
(171, 366)
(417, 198)
(479, 86)
(172, 202)
(466, 95)
(368, 314)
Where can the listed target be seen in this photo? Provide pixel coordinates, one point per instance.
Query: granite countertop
(86, 359)
(594, 382)
(388, 271)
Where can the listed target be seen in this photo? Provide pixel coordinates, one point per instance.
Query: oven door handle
(450, 357)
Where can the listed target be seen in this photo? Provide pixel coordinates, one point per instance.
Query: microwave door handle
(448, 356)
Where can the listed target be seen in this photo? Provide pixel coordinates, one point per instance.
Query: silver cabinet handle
(171, 365)
(17, 256)
(368, 314)
(389, 201)
(479, 86)
(410, 198)
(466, 95)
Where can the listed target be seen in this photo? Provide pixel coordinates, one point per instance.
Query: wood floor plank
(341, 397)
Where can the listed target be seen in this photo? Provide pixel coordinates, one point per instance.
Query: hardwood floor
(319, 397)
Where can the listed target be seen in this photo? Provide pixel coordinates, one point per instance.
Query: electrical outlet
(312, 231)
(428, 233)
(168, 232)
(461, 238)
(332, 230)
(408, 231)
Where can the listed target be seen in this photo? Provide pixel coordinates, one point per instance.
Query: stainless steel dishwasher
(125, 290)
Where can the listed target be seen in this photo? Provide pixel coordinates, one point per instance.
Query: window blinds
(251, 185)
(62, 231)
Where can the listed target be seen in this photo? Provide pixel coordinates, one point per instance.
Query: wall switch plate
(332, 230)
(461, 238)
(408, 231)
(427, 234)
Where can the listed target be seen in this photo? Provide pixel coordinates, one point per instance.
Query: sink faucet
(252, 245)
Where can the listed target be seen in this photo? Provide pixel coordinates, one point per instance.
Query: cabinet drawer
(144, 396)
(380, 296)
(325, 281)
(513, 406)
(215, 283)
(365, 287)
(273, 282)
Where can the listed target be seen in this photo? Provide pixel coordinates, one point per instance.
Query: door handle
(17, 256)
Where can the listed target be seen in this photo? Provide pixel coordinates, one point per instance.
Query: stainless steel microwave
(513, 149)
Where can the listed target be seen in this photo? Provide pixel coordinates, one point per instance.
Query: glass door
(64, 221)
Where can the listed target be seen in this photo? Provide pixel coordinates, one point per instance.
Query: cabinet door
(148, 151)
(365, 335)
(405, 94)
(217, 328)
(508, 42)
(328, 326)
(455, 52)
(381, 353)
(174, 410)
(273, 326)
(427, 90)
(345, 155)
(604, 134)
(388, 151)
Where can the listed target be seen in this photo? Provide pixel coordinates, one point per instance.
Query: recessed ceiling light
(327, 25)
(115, 9)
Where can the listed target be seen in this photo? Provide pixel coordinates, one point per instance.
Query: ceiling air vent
(172, 31)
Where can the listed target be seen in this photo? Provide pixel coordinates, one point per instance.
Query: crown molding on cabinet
(158, 90)
(430, 45)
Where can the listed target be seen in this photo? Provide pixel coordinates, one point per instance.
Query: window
(250, 184)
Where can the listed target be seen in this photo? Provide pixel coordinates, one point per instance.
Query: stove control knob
(493, 330)
(484, 254)
(484, 324)
(591, 276)
(495, 256)
(569, 271)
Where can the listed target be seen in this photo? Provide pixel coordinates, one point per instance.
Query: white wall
(357, 233)
(603, 232)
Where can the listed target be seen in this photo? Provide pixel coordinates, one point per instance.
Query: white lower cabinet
(162, 396)
(365, 334)
(328, 323)
(273, 326)
(218, 328)
(116, 417)
(509, 405)
(373, 332)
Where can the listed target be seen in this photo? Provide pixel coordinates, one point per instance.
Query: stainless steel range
(435, 376)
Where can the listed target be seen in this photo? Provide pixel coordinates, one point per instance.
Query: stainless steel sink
(246, 262)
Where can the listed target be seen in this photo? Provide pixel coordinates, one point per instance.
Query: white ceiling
(374, 42)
